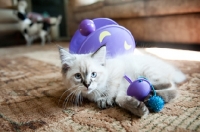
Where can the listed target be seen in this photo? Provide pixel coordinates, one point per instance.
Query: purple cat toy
(140, 89)
(93, 34)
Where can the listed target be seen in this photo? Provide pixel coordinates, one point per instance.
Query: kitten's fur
(102, 79)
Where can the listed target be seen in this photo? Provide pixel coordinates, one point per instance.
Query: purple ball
(86, 27)
(139, 89)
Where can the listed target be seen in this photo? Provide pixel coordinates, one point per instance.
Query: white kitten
(100, 79)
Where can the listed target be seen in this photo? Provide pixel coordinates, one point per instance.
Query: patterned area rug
(31, 87)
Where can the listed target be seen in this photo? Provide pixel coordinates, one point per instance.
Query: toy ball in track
(93, 34)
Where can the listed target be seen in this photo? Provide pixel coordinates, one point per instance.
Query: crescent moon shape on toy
(127, 46)
(103, 35)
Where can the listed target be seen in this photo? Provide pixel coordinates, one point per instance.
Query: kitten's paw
(133, 105)
(104, 103)
(101, 103)
(143, 111)
(139, 109)
(110, 102)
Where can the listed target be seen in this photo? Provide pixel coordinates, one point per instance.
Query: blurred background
(9, 23)
(160, 23)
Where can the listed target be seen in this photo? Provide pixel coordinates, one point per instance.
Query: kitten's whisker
(67, 98)
(77, 98)
(81, 99)
(63, 94)
(75, 103)
(73, 97)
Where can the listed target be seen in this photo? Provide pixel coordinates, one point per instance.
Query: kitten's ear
(65, 57)
(100, 55)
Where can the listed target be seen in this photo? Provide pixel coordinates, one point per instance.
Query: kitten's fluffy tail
(178, 76)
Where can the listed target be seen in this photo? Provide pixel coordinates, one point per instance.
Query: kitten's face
(84, 73)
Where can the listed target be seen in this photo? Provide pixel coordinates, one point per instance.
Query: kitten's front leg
(102, 101)
(108, 99)
(132, 104)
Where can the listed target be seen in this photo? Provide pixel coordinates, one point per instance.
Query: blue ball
(155, 103)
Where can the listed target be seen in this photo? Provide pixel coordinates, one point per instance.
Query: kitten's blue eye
(94, 74)
(78, 76)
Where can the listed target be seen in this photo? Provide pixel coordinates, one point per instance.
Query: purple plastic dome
(93, 34)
